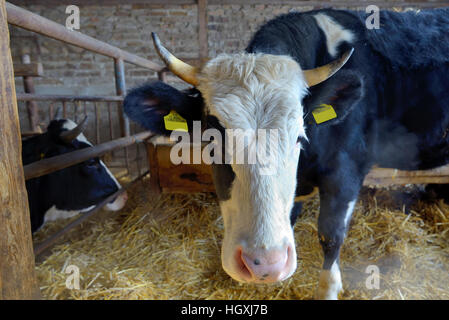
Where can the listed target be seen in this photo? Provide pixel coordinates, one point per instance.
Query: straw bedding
(168, 247)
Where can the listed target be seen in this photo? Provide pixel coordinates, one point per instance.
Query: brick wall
(128, 26)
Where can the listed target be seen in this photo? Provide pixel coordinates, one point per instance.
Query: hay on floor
(168, 247)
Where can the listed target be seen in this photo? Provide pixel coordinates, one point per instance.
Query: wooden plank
(17, 274)
(33, 69)
(316, 3)
(385, 177)
(202, 30)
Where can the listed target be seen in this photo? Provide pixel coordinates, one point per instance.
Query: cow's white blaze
(258, 91)
(335, 33)
(349, 212)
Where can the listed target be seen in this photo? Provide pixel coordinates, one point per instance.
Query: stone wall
(128, 26)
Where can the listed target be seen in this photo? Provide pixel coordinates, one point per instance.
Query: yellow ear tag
(173, 121)
(324, 113)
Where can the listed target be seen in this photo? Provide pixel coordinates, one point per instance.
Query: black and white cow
(391, 100)
(67, 192)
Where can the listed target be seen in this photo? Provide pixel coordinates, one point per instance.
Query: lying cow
(388, 105)
(67, 192)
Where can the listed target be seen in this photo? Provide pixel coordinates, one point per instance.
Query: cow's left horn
(70, 135)
(183, 70)
(319, 74)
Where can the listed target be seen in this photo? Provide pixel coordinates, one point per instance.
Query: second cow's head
(249, 92)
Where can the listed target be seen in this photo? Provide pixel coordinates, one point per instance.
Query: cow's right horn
(183, 70)
(70, 135)
(319, 74)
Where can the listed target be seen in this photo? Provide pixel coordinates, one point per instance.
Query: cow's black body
(73, 188)
(391, 98)
(401, 120)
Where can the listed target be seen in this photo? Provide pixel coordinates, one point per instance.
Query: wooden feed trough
(167, 177)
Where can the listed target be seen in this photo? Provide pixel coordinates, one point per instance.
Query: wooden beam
(17, 274)
(299, 3)
(386, 177)
(33, 69)
(202, 30)
(27, 20)
(49, 165)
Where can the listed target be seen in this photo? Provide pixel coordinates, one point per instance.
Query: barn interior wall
(71, 70)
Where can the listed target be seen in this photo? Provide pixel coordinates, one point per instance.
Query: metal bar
(120, 87)
(138, 158)
(97, 123)
(33, 22)
(28, 86)
(111, 128)
(41, 247)
(85, 109)
(77, 106)
(51, 111)
(66, 98)
(46, 166)
(64, 109)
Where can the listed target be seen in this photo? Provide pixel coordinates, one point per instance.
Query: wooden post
(202, 30)
(17, 274)
(154, 168)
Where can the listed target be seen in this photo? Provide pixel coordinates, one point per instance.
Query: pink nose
(263, 265)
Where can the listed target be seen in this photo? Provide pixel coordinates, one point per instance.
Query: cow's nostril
(243, 269)
(263, 265)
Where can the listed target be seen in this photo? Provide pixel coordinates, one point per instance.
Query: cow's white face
(258, 91)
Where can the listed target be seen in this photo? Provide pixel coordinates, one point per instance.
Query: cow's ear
(341, 93)
(147, 105)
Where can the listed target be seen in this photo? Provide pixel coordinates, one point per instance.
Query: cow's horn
(183, 70)
(319, 74)
(70, 135)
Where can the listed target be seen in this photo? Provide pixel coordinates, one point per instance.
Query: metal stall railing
(27, 20)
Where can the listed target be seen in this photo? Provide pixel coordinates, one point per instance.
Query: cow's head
(249, 92)
(74, 189)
